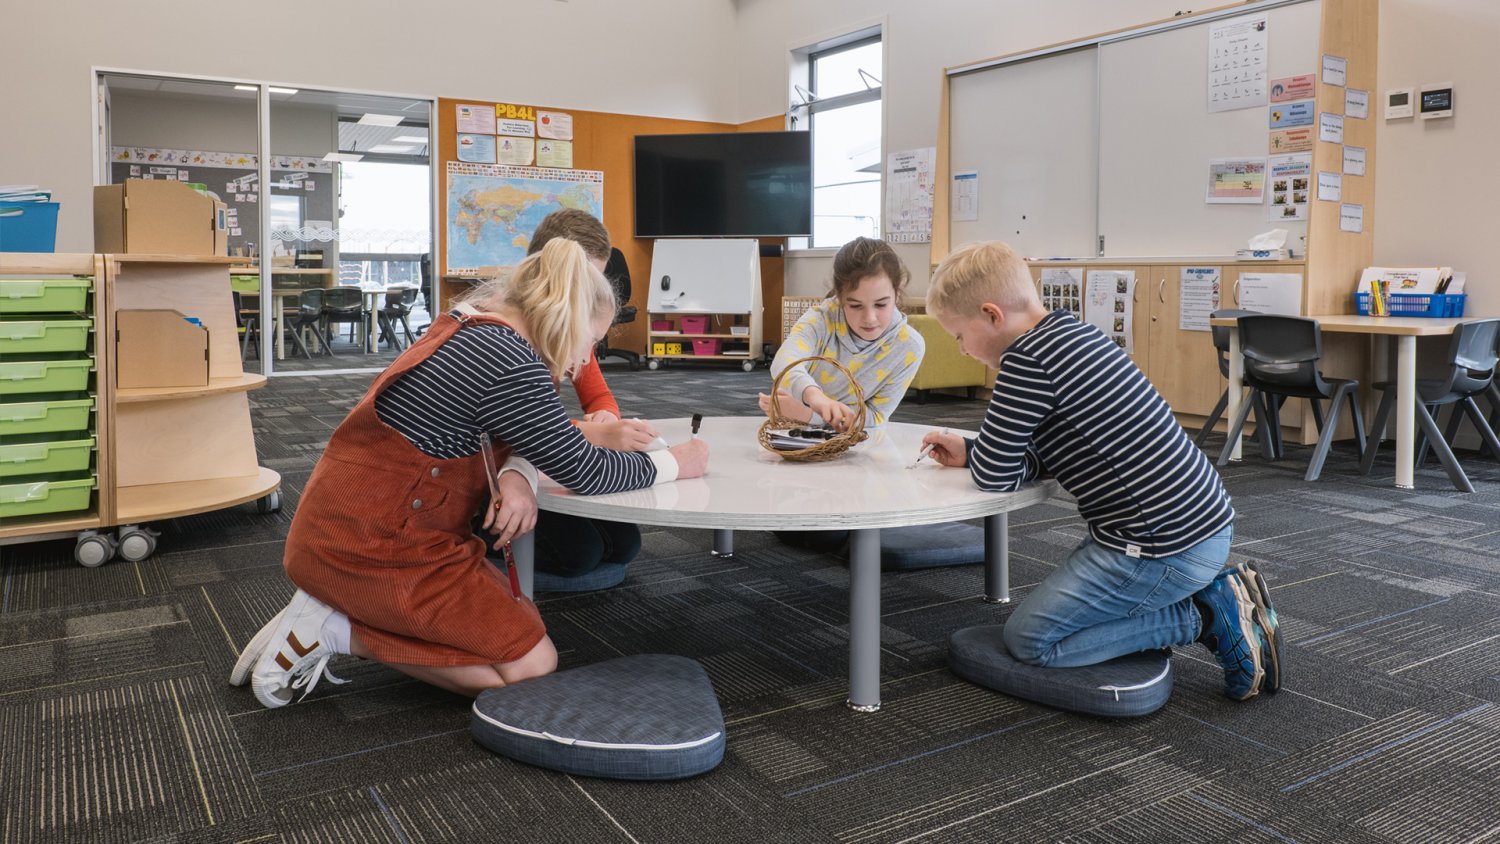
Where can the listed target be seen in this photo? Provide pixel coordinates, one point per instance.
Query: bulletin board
(601, 143)
(234, 184)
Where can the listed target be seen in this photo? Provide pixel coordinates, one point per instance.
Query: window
(840, 102)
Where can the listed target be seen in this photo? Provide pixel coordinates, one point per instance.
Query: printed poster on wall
(477, 148)
(964, 196)
(1292, 88)
(493, 210)
(1291, 177)
(1292, 140)
(517, 151)
(554, 154)
(1236, 180)
(515, 128)
(1272, 293)
(1108, 305)
(556, 125)
(1287, 115)
(1200, 289)
(1237, 63)
(1062, 290)
(475, 119)
(908, 195)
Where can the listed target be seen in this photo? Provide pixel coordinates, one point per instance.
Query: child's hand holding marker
(947, 449)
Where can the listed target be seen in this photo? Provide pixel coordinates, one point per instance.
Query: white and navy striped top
(486, 378)
(1069, 403)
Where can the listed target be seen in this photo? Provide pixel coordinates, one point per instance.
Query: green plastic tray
(45, 458)
(44, 417)
(44, 295)
(35, 498)
(45, 376)
(38, 336)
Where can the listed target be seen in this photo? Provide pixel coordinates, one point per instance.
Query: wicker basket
(820, 450)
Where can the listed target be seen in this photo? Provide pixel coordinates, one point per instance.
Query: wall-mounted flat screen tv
(741, 184)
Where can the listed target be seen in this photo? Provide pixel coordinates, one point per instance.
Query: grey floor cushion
(1128, 686)
(646, 717)
(604, 576)
(930, 546)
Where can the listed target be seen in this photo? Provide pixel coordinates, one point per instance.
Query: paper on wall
(1199, 292)
(1062, 290)
(1330, 128)
(475, 118)
(908, 195)
(479, 149)
(557, 125)
(519, 152)
(1351, 218)
(1109, 305)
(1330, 186)
(1356, 103)
(1237, 63)
(1291, 177)
(1334, 70)
(554, 154)
(1236, 180)
(964, 197)
(1272, 293)
(1354, 161)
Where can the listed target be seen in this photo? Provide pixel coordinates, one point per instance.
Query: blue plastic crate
(1417, 304)
(28, 226)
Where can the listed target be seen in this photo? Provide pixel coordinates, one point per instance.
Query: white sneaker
(240, 675)
(295, 656)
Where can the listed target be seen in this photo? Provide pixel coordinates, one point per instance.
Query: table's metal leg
(1406, 411)
(864, 620)
(723, 543)
(280, 329)
(523, 553)
(1236, 388)
(997, 558)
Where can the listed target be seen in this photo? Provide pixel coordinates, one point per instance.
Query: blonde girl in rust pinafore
(381, 548)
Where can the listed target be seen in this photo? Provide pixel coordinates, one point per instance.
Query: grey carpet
(116, 723)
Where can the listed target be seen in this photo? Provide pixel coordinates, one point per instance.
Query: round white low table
(868, 488)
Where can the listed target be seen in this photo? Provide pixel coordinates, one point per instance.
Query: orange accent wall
(605, 142)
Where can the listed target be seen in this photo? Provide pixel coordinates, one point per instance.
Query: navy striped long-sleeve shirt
(486, 378)
(1068, 402)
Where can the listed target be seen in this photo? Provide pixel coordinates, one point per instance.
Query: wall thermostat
(1398, 103)
(1437, 101)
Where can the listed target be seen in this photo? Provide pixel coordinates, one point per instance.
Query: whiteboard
(1112, 138)
(1029, 129)
(1156, 137)
(704, 276)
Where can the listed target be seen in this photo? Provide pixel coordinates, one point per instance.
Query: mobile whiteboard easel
(708, 277)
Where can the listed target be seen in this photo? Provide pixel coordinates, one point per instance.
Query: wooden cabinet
(162, 451)
(716, 337)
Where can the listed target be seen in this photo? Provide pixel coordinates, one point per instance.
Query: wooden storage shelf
(245, 382)
(185, 498)
(702, 357)
(173, 259)
(50, 526)
(744, 337)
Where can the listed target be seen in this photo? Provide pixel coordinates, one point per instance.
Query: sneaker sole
(240, 674)
(1265, 617)
(1247, 615)
(278, 696)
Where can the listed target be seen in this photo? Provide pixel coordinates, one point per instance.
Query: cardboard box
(159, 348)
(141, 216)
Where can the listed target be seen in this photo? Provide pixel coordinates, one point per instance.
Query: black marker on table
(697, 420)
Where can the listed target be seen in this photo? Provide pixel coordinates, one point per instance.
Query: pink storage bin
(695, 325)
(705, 347)
(661, 325)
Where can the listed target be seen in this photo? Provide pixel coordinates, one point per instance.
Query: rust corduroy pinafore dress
(382, 534)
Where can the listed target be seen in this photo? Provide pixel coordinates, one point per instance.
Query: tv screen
(743, 184)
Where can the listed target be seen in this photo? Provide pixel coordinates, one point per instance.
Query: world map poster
(493, 209)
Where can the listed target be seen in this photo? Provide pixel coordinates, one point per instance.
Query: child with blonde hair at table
(1068, 402)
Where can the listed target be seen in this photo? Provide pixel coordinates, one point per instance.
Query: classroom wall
(606, 55)
(1436, 181)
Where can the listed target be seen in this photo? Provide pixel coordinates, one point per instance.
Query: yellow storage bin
(45, 458)
(45, 376)
(35, 498)
(44, 417)
(44, 295)
(41, 336)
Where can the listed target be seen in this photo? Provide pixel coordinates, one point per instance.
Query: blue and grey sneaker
(1232, 633)
(1265, 619)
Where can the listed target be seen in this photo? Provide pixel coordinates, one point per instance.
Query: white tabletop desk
(748, 488)
(1405, 330)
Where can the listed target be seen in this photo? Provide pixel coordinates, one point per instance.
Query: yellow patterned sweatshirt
(883, 366)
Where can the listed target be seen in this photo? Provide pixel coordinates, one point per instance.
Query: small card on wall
(1354, 161)
(515, 128)
(1356, 103)
(1331, 128)
(1330, 186)
(1351, 218)
(1334, 69)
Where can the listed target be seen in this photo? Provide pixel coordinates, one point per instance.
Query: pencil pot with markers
(774, 432)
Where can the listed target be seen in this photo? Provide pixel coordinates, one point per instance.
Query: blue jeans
(1101, 603)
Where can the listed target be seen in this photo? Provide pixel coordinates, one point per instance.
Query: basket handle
(859, 394)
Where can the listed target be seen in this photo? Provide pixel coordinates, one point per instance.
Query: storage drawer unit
(41, 497)
(47, 457)
(22, 336)
(44, 417)
(45, 376)
(45, 295)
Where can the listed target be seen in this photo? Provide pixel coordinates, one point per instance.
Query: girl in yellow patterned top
(861, 326)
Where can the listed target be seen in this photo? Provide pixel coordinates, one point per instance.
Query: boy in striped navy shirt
(1069, 403)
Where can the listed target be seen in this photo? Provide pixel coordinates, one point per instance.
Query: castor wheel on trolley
(747, 365)
(269, 503)
(136, 543)
(94, 549)
(653, 365)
